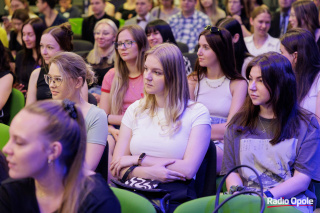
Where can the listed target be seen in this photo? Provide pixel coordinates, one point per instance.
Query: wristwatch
(141, 157)
(268, 194)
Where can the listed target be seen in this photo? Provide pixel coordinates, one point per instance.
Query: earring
(49, 161)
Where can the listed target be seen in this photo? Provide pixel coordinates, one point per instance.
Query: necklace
(218, 80)
(264, 128)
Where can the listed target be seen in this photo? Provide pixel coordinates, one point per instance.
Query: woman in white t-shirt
(299, 46)
(260, 41)
(165, 133)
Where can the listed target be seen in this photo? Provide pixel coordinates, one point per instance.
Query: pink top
(134, 92)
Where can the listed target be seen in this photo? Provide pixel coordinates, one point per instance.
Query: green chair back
(76, 25)
(239, 204)
(17, 102)
(4, 135)
(121, 22)
(132, 203)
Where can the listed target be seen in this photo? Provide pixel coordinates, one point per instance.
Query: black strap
(125, 176)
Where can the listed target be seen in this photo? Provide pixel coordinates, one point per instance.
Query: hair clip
(68, 106)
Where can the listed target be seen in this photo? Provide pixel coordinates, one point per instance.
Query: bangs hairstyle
(261, 9)
(307, 15)
(20, 14)
(307, 65)
(71, 133)
(38, 27)
(120, 81)
(94, 56)
(222, 45)
(176, 87)
(163, 28)
(73, 66)
(279, 79)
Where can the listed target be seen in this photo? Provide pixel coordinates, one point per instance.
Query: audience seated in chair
(46, 162)
(217, 77)
(89, 23)
(101, 57)
(168, 132)
(123, 85)
(67, 74)
(271, 130)
(6, 83)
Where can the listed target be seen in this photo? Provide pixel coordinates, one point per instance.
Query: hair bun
(67, 28)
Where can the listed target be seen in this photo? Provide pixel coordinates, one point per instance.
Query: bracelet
(125, 176)
(141, 157)
(268, 194)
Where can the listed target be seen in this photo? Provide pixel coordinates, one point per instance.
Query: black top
(100, 69)
(72, 12)
(43, 90)
(18, 196)
(88, 26)
(127, 14)
(13, 43)
(59, 20)
(274, 30)
(24, 68)
(5, 111)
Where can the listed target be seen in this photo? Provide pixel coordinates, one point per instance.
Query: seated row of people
(164, 135)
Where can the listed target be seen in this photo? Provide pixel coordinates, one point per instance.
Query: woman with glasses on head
(101, 57)
(158, 32)
(29, 58)
(273, 135)
(46, 164)
(216, 83)
(260, 41)
(299, 47)
(165, 130)
(53, 40)
(123, 85)
(66, 77)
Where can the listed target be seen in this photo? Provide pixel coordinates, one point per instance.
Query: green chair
(76, 25)
(121, 22)
(132, 203)
(4, 135)
(17, 102)
(239, 204)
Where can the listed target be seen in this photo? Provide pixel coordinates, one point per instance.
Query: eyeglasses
(214, 30)
(55, 80)
(127, 44)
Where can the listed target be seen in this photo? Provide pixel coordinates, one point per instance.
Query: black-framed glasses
(55, 80)
(127, 44)
(214, 30)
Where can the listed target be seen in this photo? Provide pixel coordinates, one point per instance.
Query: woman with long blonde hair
(165, 133)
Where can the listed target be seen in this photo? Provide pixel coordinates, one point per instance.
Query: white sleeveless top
(215, 95)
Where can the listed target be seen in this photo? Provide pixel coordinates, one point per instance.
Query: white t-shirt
(310, 100)
(271, 44)
(150, 138)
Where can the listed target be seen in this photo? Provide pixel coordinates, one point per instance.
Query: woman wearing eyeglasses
(216, 82)
(53, 40)
(123, 85)
(101, 57)
(67, 74)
